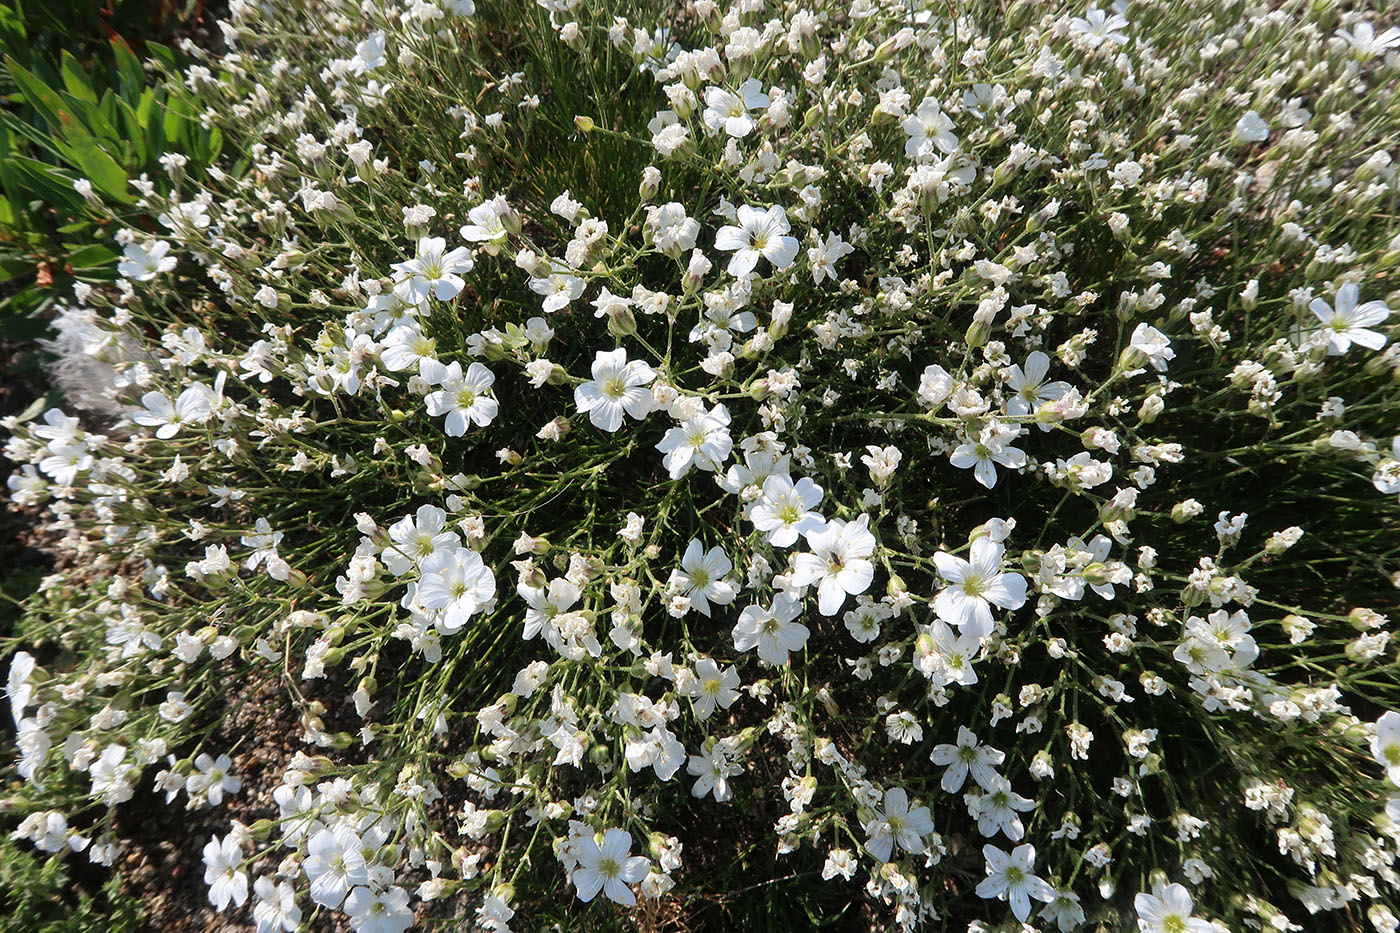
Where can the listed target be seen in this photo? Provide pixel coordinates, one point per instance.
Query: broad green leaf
(132, 130)
(38, 94)
(75, 79)
(132, 77)
(101, 169)
(93, 256)
(162, 54)
(44, 182)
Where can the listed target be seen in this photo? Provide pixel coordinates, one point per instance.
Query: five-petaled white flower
(559, 287)
(991, 447)
(896, 824)
(964, 757)
(462, 397)
(713, 687)
(839, 563)
(417, 537)
(1169, 911)
(1366, 42)
(608, 867)
(434, 270)
(823, 257)
(1012, 877)
(1030, 388)
(1251, 127)
(929, 130)
(335, 861)
(774, 631)
(618, 386)
(702, 577)
(1147, 341)
(1096, 27)
(730, 111)
(975, 586)
(277, 906)
(144, 263)
(547, 603)
(785, 510)
(193, 406)
(1385, 745)
(1348, 322)
(227, 883)
(759, 234)
(489, 224)
(702, 441)
(458, 584)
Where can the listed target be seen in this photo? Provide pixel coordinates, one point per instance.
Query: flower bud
(650, 184)
(623, 323)
(978, 332)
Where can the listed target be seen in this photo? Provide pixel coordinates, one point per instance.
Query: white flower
(1031, 389)
(774, 631)
(379, 910)
(823, 257)
(369, 54)
(144, 263)
(944, 656)
(618, 386)
(1011, 877)
(545, 605)
(434, 270)
(760, 233)
(657, 749)
(785, 510)
(701, 577)
(1153, 344)
(1365, 42)
(702, 441)
(929, 129)
(1096, 26)
(1169, 912)
(406, 347)
(458, 584)
(935, 385)
(995, 811)
(335, 861)
(417, 537)
(1385, 745)
(967, 756)
(112, 775)
(608, 867)
(976, 585)
(712, 769)
(669, 228)
(488, 225)
(227, 885)
(276, 910)
(839, 563)
(1065, 911)
(896, 824)
(1349, 323)
(211, 778)
(194, 405)
(713, 688)
(1251, 128)
(729, 111)
(461, 397)
(559, 288)
(990, 448)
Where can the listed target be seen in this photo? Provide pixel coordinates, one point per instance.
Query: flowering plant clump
(937, 463)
